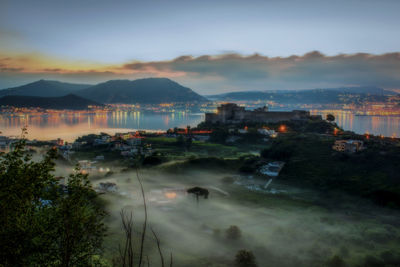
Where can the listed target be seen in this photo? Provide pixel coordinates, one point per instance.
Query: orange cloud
(35, 63)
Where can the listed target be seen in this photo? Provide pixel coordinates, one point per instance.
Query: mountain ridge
(142, 91)
(319, 95)
(44, 88)
(70, 101)
(145, 91)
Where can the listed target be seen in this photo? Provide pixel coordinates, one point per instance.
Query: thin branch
(158, 247)
(145, 220)
(128, 255)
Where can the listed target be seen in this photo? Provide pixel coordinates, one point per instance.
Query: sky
(212, 46)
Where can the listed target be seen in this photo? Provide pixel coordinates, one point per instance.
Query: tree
(188, 143)
(78, 218)
(219, 136)
(127, 251)
(43, 223)
(245, 258)
(336, 261)
(180, 140)
(23, 184)
(198, 191)
(330, 118)
(233, 232)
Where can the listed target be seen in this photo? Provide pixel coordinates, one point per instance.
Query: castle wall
(271, 116)
(231, 113)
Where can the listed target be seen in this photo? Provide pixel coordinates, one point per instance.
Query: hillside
(312, 96)
(145, 91)
(44, 88)
(64, 102)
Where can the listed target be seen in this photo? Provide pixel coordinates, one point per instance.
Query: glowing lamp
(170, 195)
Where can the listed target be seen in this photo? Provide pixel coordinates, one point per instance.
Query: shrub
(245, 258)
(233, 232)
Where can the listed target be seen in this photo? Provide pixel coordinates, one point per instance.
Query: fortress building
(232, 113)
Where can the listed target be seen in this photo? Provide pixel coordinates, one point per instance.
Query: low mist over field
(283, 230)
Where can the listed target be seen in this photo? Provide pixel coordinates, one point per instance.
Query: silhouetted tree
(188, 142)
(330, 117)
(180, 140)
(233, 232)
(245, 258)
(336, 261)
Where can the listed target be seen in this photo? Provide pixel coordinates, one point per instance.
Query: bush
(336, 261)
(371, 261)
(281, 153)
(245, 258)
(219, 136)
(152, 161)
(233, 232)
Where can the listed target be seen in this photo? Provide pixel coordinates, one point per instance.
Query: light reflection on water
(71, 125)
(376, 125)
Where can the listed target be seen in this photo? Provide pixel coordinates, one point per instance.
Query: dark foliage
(43, 223)
(152, 160)
(233, 232)
(245, 258)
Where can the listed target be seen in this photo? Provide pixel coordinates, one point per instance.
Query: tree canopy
(44, 222)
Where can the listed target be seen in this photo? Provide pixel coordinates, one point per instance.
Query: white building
(272, 169)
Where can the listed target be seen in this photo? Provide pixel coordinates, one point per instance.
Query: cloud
(257, 72)
(213, 74)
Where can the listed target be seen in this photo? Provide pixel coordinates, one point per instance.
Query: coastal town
(231, 125)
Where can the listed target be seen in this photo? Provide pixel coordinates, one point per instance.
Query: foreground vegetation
(43, 223)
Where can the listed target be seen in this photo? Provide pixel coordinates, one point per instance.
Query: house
(107, 187)
(66, 153)
(244, 130)
(58, 142)
(104, 169)
(202, 138)
(99, 157)
(5, 143)
(121, 146)
(134, 141)
(87, 165)
(100, 141)
(77, 145)
(272, 169)
(232, 139)
(267, 132)
(349, 146)
(130, 152)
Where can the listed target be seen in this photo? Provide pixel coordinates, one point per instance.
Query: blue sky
(115, 31)
(93, 33)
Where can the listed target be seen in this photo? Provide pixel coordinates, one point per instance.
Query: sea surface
(71, 125)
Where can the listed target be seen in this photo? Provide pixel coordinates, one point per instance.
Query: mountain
(44, 88)
(144, 91)
(64, 102)
(311, 96)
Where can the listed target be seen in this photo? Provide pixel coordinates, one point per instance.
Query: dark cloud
(257, 72)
